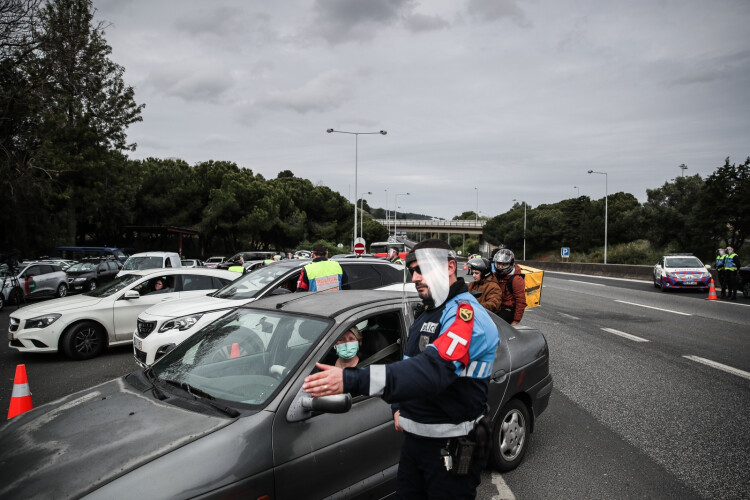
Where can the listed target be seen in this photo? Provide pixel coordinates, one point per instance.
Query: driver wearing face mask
(347, 347)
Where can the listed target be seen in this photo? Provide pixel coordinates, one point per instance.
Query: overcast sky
(482, 99)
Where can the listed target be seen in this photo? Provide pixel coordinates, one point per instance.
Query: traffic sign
(565, 252)
(359, 246)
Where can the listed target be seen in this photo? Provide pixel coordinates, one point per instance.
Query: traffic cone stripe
(20, 391)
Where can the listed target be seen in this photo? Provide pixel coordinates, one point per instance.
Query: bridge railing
(433, 223)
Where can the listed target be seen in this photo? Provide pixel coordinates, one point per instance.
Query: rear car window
(192, 282)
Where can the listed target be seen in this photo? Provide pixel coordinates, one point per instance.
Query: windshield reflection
(114, 286)
(250, 284)
(139, 263)
(242, 357)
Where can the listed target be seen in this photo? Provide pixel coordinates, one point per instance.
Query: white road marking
(625, 335)
(719, 366)
(504, 493)
(588, 283)
(569, 316)
(652, 307)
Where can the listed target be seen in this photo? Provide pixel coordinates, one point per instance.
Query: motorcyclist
(513, 285)
(485, 284)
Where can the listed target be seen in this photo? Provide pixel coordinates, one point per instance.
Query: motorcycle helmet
(482, 265)
(504, 261)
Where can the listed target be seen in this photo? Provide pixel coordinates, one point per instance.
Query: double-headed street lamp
(605, 210)
(362, 214)
(395, 213)
(524, 228)
(356, 151)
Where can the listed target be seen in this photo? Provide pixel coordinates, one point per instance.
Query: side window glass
(33, 271)
(192, 282)
(168, 262)
(112, 266)
(379, 338)
(360, 277)
(160, 284)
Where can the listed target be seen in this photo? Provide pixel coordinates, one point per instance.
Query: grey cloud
(323, 93)
(420, 22)
(340, 21)
(190, 82)
(215, 20)
(495, 10)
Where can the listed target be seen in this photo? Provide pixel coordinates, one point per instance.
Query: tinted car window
(360, 277)
(220, 282)
(192, 282)
(112, 266)
(32, 271)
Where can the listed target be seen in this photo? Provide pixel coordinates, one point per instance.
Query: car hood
(182, 307)
(74, 445)
(57, 305)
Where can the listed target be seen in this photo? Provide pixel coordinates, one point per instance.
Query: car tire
(663, 288)
(92, 286)
(656, 285)
(83, 340)
(510, 436)
(746, 290)
(62, 290)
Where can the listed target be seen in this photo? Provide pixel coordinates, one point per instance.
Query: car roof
(185, 270)
(152, 254)
(328, 303)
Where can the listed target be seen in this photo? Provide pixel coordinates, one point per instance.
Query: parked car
(303, 254)
(681, 271)
(234, 394)
(164, 326)
(82, 326)
(63, 263)
(42, 279)
(87, 275)
(11, 292)
(194, 263)
(212, 262)
(743, 281)
(150, 260)
(240, 258)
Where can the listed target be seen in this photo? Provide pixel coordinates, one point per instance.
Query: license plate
(690, 282)
(138, 343)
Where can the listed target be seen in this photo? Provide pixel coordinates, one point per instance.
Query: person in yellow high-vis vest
(720, 272)
(321, 274)
(731, 265)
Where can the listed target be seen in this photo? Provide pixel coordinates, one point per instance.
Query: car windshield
(82, 267)
(114, 286)
(250, 284)
(682, 262)
(136, 263)
(215, 259)
(242, 357)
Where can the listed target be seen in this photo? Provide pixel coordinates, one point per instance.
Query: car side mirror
(131, 294)
(304, 405)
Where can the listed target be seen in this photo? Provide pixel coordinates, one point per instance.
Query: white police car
(681, 271)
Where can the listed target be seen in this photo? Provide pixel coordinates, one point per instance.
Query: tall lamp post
(605, 210)
(356, 154)
(683, 167)
(476, 214)
(362, 215)
(387, 224)
(579, 190)
(524, 228)
(395, 213)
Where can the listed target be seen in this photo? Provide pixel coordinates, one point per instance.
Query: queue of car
(233, 392)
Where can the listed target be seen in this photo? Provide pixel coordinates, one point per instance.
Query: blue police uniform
(440, 390)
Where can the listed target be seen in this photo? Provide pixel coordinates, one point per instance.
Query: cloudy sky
(483, 100)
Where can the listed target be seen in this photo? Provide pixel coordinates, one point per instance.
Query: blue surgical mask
(347, 350)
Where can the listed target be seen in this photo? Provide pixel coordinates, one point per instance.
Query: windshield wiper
(203, 397)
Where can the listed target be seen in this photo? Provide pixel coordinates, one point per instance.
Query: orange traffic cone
(712, 291)
(20, 400)
(235, 351)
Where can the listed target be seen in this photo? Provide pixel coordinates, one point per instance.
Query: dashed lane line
(569, 316)
(625, 335)
(652, 307)
(503, 492)
(588, 283)
(719, 366)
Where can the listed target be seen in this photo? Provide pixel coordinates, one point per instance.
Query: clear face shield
(433, 267)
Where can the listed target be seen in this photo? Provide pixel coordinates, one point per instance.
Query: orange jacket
(492, 294)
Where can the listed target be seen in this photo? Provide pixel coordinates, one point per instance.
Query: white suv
(162, 327)
(150, 260)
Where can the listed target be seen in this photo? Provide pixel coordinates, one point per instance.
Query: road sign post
(565, 253)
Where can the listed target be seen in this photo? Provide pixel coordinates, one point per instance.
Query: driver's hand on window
(395, 421)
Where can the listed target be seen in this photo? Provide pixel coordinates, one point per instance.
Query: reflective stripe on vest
(437, 430)
(324, 275)
(729, 262)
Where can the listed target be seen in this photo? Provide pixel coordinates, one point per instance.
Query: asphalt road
(631, 416)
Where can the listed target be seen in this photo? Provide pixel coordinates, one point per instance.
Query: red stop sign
(359, 248)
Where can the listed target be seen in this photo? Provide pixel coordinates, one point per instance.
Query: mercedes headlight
(182, 323)
(42, 321)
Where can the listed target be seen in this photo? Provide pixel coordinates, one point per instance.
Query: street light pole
(362, 215)
(395, 213)
(606, 191)
(579, 190)
(356, 159)
(387, 224)
(476, 214)
(524, 228)
(683, 167)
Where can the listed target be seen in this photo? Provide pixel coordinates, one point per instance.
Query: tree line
(65, 175)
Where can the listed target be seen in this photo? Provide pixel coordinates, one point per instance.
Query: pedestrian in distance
(485, 287)
(438, 392)
(321, 274)
(731, 266)
(720, 272)
(393, 256)
(513, 285)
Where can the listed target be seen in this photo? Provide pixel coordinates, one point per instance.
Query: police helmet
(504, 261)
(730, 250)
(482, 265)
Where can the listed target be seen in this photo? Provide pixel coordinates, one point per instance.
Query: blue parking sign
(565, 252)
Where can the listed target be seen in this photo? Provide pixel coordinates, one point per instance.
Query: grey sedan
(224, 415)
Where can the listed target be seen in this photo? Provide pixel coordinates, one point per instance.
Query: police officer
(439, 391)
(393, 256)
(731, 265)
(720, 272)
(513, 285)
(320, 274)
